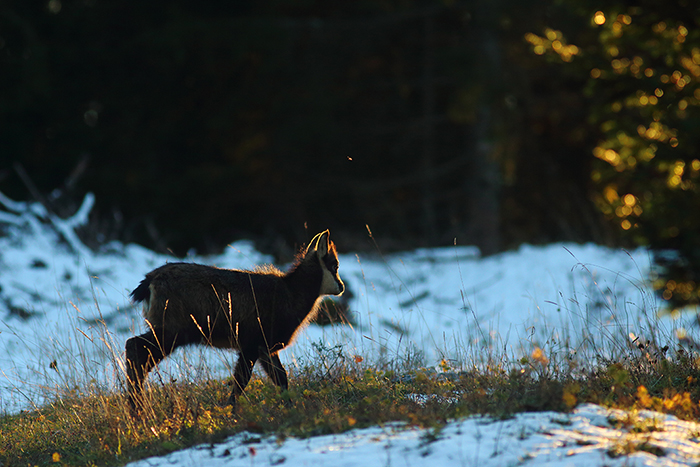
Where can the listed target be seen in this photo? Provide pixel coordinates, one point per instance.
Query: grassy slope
(338, 394)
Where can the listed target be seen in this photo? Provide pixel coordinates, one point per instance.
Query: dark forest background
(495, 123)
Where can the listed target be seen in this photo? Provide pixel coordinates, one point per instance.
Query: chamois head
(324, 250)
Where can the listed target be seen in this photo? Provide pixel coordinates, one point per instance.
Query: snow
(65, 313)
(583, 438)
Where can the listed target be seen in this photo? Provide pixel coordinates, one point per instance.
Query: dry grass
(341, 394)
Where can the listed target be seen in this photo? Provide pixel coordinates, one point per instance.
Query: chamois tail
(142, 292)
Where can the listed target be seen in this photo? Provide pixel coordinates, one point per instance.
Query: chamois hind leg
(241, 377)
(144, 352)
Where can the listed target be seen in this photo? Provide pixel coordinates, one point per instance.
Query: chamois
(256, 312)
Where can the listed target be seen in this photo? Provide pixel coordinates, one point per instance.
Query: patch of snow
(589, 436)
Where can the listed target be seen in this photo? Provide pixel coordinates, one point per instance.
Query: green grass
(342, 394)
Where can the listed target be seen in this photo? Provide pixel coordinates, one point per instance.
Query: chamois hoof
(134, 407)
(286, 399)
(231, 402)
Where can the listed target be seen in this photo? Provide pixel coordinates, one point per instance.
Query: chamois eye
(332, 266)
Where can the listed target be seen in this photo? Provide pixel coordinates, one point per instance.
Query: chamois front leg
(274, 369)
(241, 377)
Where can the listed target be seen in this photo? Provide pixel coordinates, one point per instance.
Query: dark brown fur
(255, 312)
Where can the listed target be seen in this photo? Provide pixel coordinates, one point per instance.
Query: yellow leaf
(643, 396)
(569, 399)
(539, 356)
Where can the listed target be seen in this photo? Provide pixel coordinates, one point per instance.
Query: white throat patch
(329, 285)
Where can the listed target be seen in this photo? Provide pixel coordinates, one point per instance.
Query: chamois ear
(323, 244)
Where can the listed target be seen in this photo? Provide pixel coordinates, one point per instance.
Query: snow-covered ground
(65, 314)
(589, 436)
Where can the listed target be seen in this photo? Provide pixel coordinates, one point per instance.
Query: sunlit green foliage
(643, 69)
